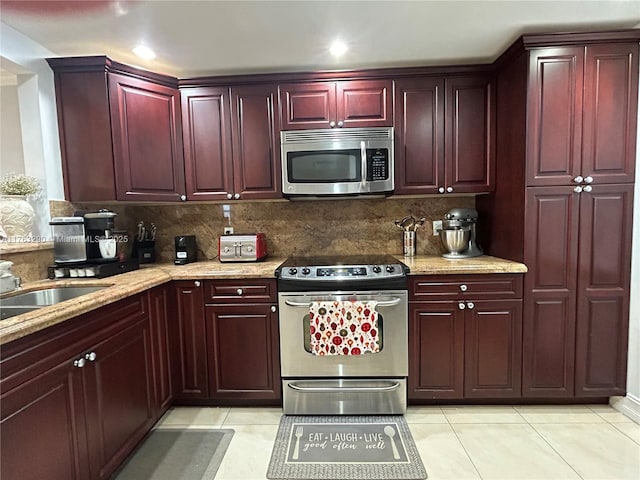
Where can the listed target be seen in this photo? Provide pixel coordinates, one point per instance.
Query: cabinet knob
(196, 283)
(229, 196)
(236, 196)
(91, 356)
(578, 179)
(463, 288)
(332, 124)
(461, 306)
(239, 291)
(273, 308)
(183, 198)
(588, 179)
(441, 190)
(79, 363)
(578, 189)
(470, 305)
(587, 188)
(341, 123)
(449, 189)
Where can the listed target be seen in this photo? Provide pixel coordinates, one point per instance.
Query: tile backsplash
(318, 227)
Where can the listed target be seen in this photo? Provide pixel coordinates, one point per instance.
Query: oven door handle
(389, 388)
(363, 159)
(386, 303)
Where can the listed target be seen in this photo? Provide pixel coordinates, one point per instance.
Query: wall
(12, 158)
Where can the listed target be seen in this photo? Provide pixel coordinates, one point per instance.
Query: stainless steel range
(343, 335)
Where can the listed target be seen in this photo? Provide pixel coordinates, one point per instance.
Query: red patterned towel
(343, 328)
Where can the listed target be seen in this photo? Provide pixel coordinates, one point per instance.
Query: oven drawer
(453, 287)
(240, 291)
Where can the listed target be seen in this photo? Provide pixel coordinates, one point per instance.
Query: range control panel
(342, 272)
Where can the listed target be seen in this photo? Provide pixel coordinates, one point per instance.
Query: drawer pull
(196, 283)
(273, 308)
(470, 305)
(461, 306)
(79, 363)
(239, 291)
(91, 356)
(463, 288)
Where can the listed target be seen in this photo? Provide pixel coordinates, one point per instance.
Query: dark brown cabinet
(160, 345)
(120, 131)
(242, 333)
(352, 103)
(77, 397)
(465, 341)
(189, 342)
(231, 144)
(444, 134)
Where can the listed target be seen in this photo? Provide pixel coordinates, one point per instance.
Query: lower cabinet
(467, 342)
(159, 326)
(77, 397)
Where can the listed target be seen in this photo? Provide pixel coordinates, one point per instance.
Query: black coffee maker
(186, 249)
(98, 226)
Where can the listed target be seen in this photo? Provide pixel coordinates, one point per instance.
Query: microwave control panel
(377, 164)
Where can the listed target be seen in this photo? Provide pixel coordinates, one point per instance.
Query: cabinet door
(207, 143)
(493, 349)
(256, 148)
(551, 254)
(469, 134)
(554, 118)
(119, 392)
(244, 355)
(189, 343)
(364, 103)
(147, 143)
(42, 432)
(610, 113)
(436, 350)
(603, 290)
(308, 105)
(159, 330)
(419, 135)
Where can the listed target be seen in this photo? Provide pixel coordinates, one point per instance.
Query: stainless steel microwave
(337, 162)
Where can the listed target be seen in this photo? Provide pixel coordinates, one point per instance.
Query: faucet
(8, 281)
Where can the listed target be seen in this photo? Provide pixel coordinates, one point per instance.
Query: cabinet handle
(273, 308)
(587, 188)
(577, 189)
(91, 356)
(183, 198)
(239, 291)
(578, 179)
(237, 196)
(332, 124)
(588, 179)
(441, 190)
(463, 288)
(461, 306)
(470, 305)
(79, 362)
(341, 123)
(196, 283)
(229, 196)
(449, 189)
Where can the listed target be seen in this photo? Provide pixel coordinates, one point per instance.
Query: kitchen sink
(29, 301)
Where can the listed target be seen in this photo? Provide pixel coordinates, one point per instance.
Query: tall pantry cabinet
(567, 113)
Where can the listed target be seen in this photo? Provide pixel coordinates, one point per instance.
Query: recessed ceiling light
(338, 48)
(144, 52)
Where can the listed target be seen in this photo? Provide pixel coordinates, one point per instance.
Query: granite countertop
(130, 283)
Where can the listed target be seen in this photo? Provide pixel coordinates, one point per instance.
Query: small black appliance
(186, 249)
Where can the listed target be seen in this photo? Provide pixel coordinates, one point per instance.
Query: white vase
(16, 216)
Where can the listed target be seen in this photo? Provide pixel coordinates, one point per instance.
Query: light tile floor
(591, 442)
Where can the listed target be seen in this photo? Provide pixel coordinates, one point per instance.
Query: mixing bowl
(455, 240)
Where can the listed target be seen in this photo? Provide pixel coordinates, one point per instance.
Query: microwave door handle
(363, 154)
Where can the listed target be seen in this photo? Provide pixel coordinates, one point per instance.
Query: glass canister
(409, 243)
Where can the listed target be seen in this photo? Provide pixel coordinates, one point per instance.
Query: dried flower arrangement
(19, 184)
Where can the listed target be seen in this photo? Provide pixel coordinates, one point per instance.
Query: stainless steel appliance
(337, 162)
(242, 248)
(458, 234)
(345, 382)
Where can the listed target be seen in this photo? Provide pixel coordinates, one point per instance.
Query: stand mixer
(458, 234)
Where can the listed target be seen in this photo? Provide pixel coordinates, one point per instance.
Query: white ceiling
(194, 38)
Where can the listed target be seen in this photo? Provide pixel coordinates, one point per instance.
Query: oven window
(306, 330)
(324, 166)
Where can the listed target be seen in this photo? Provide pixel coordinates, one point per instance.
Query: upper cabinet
(231, 145)
(444, 135)
(352, 103)
(581, 114)
(120, 131)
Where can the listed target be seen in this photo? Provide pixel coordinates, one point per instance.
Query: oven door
(389, 360)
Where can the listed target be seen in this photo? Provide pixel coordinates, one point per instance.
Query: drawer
(452, 287)
(250, 290)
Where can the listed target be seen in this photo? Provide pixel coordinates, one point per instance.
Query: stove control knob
(390, 268)
(293, 271)
(377, 269)
(306, 271)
